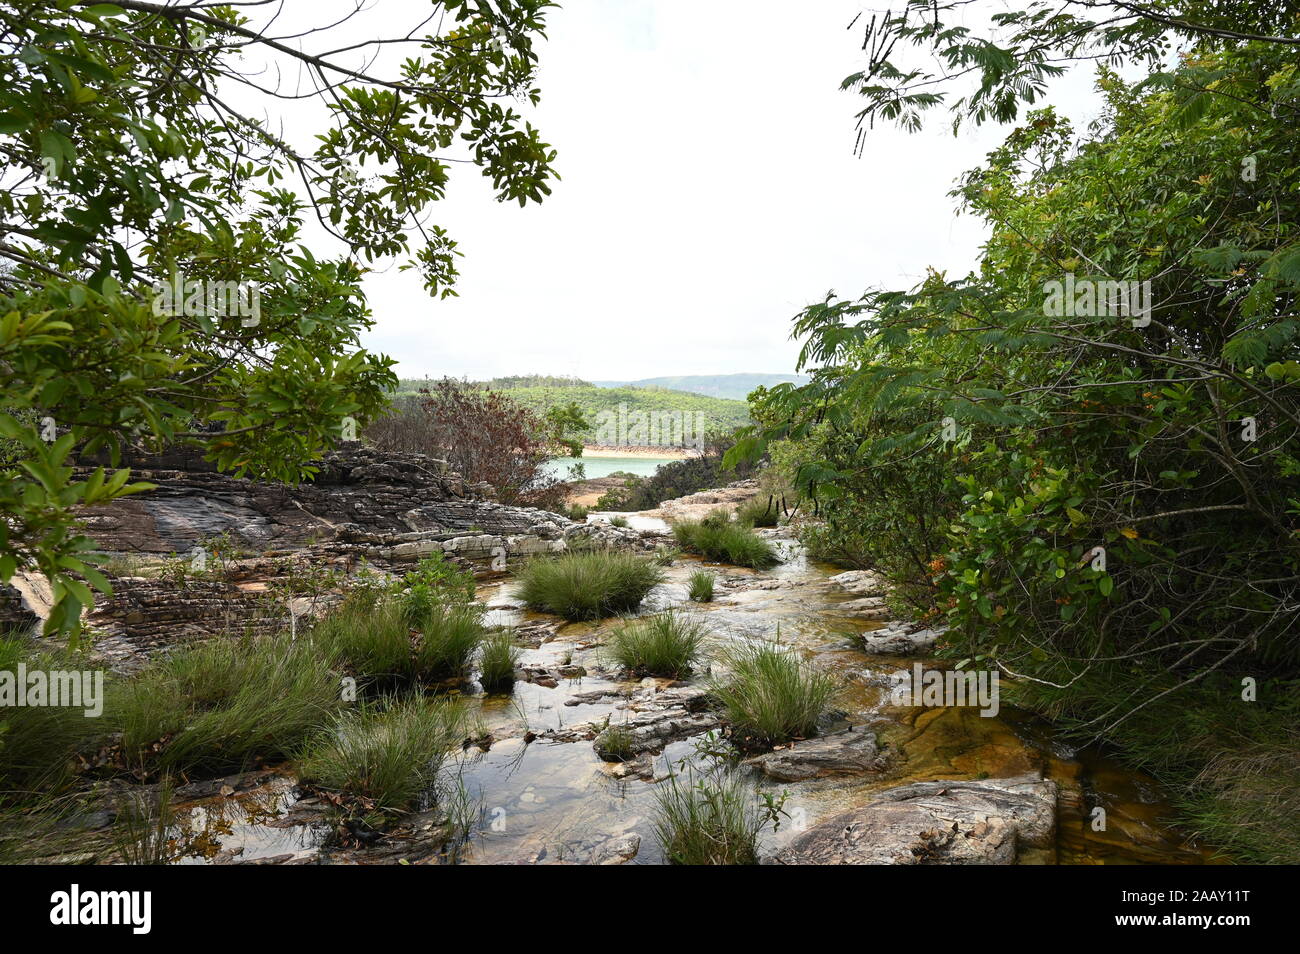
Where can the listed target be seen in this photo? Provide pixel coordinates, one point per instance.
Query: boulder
(901, 639)
(854, 752)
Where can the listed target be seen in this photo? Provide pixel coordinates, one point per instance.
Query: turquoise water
(604, 466)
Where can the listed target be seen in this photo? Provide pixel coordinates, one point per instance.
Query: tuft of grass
(588, 585)
(37, 743)
(614, 744)
(371, 638)
(771, 696)
(726, 541)
(388, 757)
(758, 512)
(618, 522)
(702, 586)
(376, 643)
(499, 658)
(664, 556)
(713, 820)
(448, 641)
(223, 704)
(662, 645)
(141, 833)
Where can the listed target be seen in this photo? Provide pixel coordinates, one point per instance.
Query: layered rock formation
(210, 553)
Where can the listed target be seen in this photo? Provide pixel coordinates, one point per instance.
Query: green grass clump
(375, 641)
(708, 821)
(726, 541)
(499, 658)
(620, 522)
(759, 512)
(390, 757)
(702, 586)
(662, 645)
(588, 585)
(614, 744)
(448, 641)
(771, 696)
(220, 705)
(37, 742)
(371, 639)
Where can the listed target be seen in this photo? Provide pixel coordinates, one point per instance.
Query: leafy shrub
(589, 585)
(484, 435)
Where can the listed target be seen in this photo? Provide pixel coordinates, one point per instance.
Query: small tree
(485, 435)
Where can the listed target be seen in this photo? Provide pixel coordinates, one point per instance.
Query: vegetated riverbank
(571, 761)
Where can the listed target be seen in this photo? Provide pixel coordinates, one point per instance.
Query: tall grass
(499, 658)
(376, 642)
(222, 704)
(37, 742)
(662, 645)
(390, 757)
(701, 586)
(762, 511)
(588, 585)
(726, 541)
(372, 639)
(770, 695)
(143, 826)
(448, 641)
(711, 820)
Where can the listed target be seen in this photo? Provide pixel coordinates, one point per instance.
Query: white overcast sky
(709, 191)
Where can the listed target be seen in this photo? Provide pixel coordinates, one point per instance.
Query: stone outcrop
(356, 486)
(207, 553)
(992, 821)
(698, 505)
(854, 752)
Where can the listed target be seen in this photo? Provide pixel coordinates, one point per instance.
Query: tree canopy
(164, 281)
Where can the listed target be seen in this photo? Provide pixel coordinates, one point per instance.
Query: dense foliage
(1101, 499)
(159, 288)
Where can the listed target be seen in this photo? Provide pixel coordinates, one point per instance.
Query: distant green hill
(610, 405)
(733, 386)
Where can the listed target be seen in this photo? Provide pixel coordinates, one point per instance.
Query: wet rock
(860, 582)
(654, 717)
(618, 851)
(868, 607)
(901, 639)
(855, 752)
(992, 821)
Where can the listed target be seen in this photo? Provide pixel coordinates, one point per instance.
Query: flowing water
(542, 801)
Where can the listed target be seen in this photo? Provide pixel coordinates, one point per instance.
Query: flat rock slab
(985, 822)
(854, 752)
